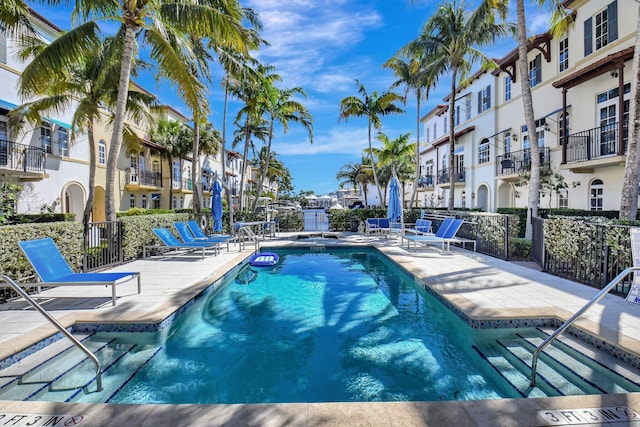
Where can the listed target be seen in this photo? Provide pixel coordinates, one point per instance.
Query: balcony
(510, 165)
(597, 147)
(182, 184)
(426, 181)
(22, 161)
(443, 176)
(137, 178)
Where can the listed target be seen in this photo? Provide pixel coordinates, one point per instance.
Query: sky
(324, 46)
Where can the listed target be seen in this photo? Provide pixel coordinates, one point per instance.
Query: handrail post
(572, 319)
(57, 324)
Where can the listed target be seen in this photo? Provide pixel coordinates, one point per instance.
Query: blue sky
(323, 46)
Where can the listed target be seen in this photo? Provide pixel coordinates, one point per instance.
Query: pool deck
(479, 286)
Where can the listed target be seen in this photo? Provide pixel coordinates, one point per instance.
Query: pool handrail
(58, 326)
(572, 319)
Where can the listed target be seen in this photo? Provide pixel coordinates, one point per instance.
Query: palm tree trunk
(373, 168)
(86, 216)
(223, 178)
(452, 134)
(263, 173)
(527, 100)
(629, 200)
(245, 154)
(417, 180)
(118, 121)
(197, 201)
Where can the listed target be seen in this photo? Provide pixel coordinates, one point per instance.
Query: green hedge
(136, 231)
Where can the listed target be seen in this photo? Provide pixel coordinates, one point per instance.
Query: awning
(6, 105)
(155, 196)
(502, 131)
(59, 123)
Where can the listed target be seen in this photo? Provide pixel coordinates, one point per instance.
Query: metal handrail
(57, 324)
(572, 319)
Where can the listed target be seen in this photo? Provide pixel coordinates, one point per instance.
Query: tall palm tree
(412, 74)
(629, 199)
(348, 175)
(276, 170)
(253, 127)
(177, 140)
(372, 106)
(451, 41)
(559, 22)
(87, 86)
(395, 155)
(280, 107)
(166, 26)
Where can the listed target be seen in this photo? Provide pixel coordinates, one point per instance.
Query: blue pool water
(341, 325)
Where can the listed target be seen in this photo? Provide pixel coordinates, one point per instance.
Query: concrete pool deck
(479, 286)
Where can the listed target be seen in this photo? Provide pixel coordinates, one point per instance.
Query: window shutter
(479, 102)
(488, 97)
(3, 47)
(588, 43)
(538, 69)
(612, 24)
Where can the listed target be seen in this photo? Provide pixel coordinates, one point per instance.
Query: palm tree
(412, 74)
(372, 107)
(167, 27)
(629, 200)
(450, 41)
(279, 106)
(348, 175)
(88, 85)
(177, 140)
(276, 170)
(396, 155)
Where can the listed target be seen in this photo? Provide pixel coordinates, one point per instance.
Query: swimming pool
(335, 325)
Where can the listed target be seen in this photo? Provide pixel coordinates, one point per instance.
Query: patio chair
(446, 237)
(422, 226)
(171, 243)
(200, 234)
(187, 235)
(53, 270)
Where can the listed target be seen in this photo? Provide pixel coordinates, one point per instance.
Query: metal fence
(102, 245)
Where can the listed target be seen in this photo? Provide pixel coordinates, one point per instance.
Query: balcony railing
(443, 176)
(182, 184)
(426, 181)
(596, 143)
(148, 178)
(20, 157)
(520, 161)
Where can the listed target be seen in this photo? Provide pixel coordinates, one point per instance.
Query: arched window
(144, 201)
(484, 151)
(596, 194)
(174, 203)
(62, 140)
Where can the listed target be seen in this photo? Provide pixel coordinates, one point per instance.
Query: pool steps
(65, 374)
(567, 367)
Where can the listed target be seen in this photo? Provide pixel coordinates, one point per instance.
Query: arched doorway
(482, 198)
(73, 200)
(98, 214)
(506, 196)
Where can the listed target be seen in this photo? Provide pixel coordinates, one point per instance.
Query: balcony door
(608, 127)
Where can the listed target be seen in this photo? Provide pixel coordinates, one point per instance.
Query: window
(4, 144)
(181, 202)
(507, 88)
(601, 29)
(428, 134)
(563, 200)
(176, 171)
(484, 151)
(445, 123)
(484, 99)
(155, 166)
(174, 204)
(62, 140)
(155, 201)
(144, 201)
(535, 71)
(563, 54)
(467, 106)
(45, 137)
(564, 133)
(457, 116)
(507, 144)
(132, 201)
(435, 130)
(596, 194)
(102, 152)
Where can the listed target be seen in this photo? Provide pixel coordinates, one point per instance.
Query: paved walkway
(481, 287)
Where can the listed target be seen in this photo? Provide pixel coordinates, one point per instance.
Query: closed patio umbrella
(394, 211)
(216, 206)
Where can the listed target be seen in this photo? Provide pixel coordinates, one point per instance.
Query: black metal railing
(102, 245)
(182, 184)
(21, 157)
(537, 240)
(425, 181)
(520, 161)
(443, 176)
(600, 252)
(596, 143)
(149, 178)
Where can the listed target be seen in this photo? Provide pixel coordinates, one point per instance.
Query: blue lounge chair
(423, 226)
(446, 237)
(53, 270)
(191, 232)
(170, 242)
